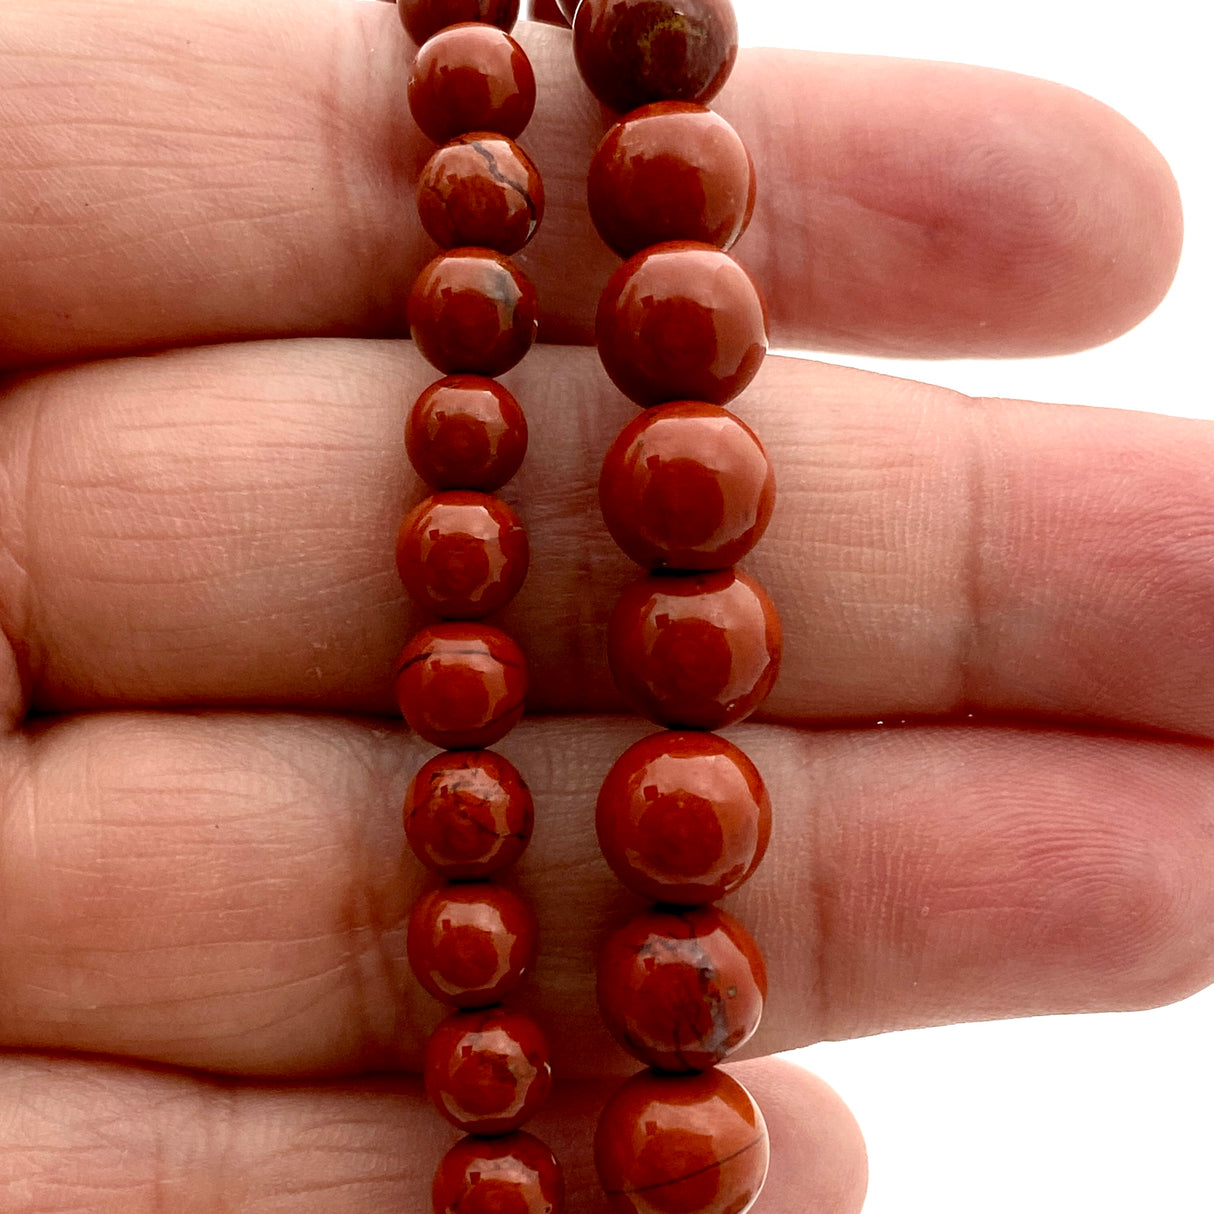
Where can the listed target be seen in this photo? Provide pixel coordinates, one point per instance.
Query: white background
(1062, 1115)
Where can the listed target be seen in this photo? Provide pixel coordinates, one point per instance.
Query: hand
(203, 872)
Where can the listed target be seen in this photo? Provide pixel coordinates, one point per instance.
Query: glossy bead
(631, 52)
(424, 18)
(516, 1174)
(683, 818)
(488, 1072)
(670, 171)
(687, 486)
(681, 321)
(694, 652)
(471, 78)
(470, 945)
(468, 814)
(473, 310)
(462, 555)
(480, 189)
(681, 1144)
(461, 686)
(466, 432)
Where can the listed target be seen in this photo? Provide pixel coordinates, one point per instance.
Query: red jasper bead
(681, 1144)
(473, 310)
(462, 555)
(687, 486)
(671, 171)
(466, 432)
(481, 189)
(681, 321)
(424, 18)
(683, 818)
(516, 1174)
(461, 686)
(488, 1072)
(470, 945)
(694, 652)
(471, 77)
(631, 52)
(468, 814)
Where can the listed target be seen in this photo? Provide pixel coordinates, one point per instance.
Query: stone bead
(423, 19)
(468, 814)
(473, 310)
(470, 945)
(683, 818)
(466, 432)
(461, 686)
(480, 189)
(670, 171)
(631, 52)
(681, 321)
(462, 555)
(697, 651)
(516, 1174)
(471, 77)
(687, 486)
(682, 989)
(681, 1144)
(488, 1072)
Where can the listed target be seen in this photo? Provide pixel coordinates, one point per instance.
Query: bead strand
(462, 555)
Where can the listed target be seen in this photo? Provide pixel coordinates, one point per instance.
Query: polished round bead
(470, 945)
(687, 486)
(681, 321)
(471, 77)
(480, 189)
(682, 988)
(683, 818)
(473, 310)
(424, 18)
(488, 1071)
(681, 1144)
(515, 1174)
(694, 652)
(468, 814)
(631, 52)
(670, 171)
(461, 686)
(462, 555)
(466, 432)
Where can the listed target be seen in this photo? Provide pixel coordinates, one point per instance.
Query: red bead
(681, 321)
(631, 52)
(473, 310)
(488, 1072)
(683, 818)
(681, 1144)
(687, 486)
(516, 1174)
(480, 189)
(461, 686)
(470, 945)
(424, 18)
(694, 652)
(471, 77)
(671, 171)
(462, 555)
(682, 989)
(468, 814)
(466, 432)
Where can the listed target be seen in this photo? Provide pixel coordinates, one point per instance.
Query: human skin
(203, 879)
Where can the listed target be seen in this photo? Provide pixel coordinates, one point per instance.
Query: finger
(217, 526)
(232, 892)
(256, 179)
(93, 1135)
